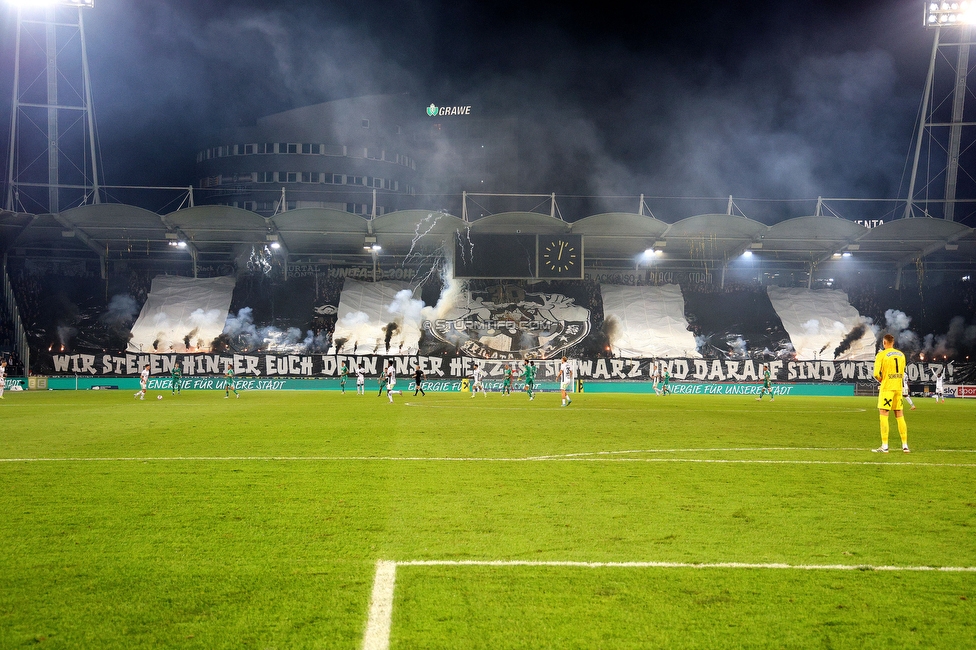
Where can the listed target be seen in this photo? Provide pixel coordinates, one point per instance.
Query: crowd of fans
(55, 303)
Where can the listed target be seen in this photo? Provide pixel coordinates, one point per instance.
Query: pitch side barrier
(689, 388)
(454, 386)
(440, 386)
(165, 384)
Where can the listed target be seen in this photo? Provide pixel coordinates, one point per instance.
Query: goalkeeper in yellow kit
(889, 366)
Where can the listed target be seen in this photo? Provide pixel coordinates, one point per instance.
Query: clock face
(560, 256)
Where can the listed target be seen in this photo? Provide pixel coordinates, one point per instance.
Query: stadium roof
(220, 234)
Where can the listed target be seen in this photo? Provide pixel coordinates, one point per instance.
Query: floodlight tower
(52, 161)
(945, 137)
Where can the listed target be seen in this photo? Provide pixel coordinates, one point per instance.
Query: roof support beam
(190, 246)
(928, 250)
(88, 241)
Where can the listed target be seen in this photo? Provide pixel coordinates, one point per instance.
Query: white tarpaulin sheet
(647, 322)
(819, 321)
(182, 314)
(365, 311)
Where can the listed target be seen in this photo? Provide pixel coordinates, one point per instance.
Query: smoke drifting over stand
(769, 100)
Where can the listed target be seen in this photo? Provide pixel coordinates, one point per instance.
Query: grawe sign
(439, 111)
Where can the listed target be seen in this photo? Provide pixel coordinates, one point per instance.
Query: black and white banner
(456, 367)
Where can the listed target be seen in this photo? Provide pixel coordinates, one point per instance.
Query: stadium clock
(561, 256)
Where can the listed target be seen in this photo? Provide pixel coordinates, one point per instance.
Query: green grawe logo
(432, 110)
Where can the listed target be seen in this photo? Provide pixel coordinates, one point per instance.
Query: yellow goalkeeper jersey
(889, 366)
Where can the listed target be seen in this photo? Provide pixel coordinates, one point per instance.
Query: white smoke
(738, 348)
(241, 327)
(406, 307)
(121, 311)
(811, 327)
(244, 335)
(896, 324)
(354, 319)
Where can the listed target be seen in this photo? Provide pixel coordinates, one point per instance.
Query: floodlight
(949, 14)
(275, 245)
(747, 253)
(30, 4)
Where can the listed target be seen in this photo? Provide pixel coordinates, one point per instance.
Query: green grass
(209, 523)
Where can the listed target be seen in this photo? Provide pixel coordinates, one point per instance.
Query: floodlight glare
(949, 14)
(28, 4)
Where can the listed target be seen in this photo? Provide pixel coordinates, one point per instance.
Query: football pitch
(319, 520)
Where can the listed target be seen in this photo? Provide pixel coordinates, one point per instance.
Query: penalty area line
(380, 618)
(377, 635)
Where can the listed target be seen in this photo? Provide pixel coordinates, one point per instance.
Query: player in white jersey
(391, 382)
(3, 377)
(939, 388)
(655, 377)
(566, 380)
(360, 381)
(143, 382)
(477, 381)
(904, 390)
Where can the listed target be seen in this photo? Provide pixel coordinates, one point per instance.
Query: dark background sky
(756, 99)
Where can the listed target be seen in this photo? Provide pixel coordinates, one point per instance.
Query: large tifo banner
(457, 367)
(184, 314)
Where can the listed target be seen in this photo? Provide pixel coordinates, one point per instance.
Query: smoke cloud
(854, 335)
(121, 311)
(799, 107)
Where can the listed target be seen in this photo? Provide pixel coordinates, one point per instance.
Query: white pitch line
(379, 623)
(377, 636)
(590, 458)
(688, 565)
(690, 450)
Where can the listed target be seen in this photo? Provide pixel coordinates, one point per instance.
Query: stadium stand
(289, 271)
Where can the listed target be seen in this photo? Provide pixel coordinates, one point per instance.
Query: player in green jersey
(177, 379)
(343, 375)
(507, 380)
(229, 383)
(767, 386)
(528, 374)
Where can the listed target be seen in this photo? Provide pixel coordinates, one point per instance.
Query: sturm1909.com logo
(434, 111)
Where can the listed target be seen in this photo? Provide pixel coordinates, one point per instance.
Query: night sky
(760, 99)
